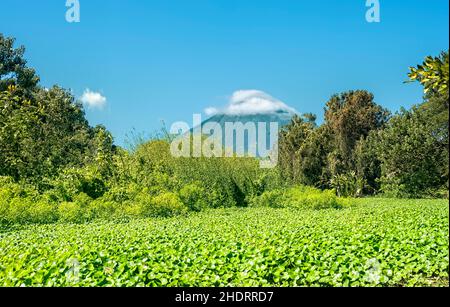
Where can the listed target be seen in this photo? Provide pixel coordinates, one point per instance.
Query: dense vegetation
(55, 167)
(77, 210)
(377, 242)
(362, 149)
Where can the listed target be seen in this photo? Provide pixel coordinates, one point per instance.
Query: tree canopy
(41, 130)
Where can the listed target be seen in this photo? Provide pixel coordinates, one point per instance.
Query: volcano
(249, 109)
(281, 119)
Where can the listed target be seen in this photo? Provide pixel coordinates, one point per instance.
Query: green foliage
(360, 150)
(300, 198)
(224, 182)
(368, 165)
(350, 117)
(433, 74)
(165, 205)
(271, 199)
(13, 69)
(313, 169)
(348, 185)
(315, 156)
(374, 243)
(74, 181)
(194, 197)
(293, 138)
(42, 131)
(22, 204)
(411, 155)
(71, 212)
(39, 138)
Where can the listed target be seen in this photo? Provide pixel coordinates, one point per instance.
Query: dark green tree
(411, 156)
(13, 68)
(292, 139)
(42, 130)
(351, 116)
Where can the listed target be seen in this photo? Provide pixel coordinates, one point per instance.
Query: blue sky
(167, 59)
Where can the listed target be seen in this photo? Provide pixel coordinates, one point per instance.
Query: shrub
(43, 212)
(104, 209)
(300, 198)
(413, 150)
(348, 185)
(272, 199)
(163, 205)
(19, 203)
(76, 211)
(73, 181)
(315, 199)
(194, 197)
(70, 212)
(166, 205)
(18, 210)
(28, 210)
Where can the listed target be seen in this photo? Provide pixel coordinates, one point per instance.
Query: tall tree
(42, 130)
(351, 116)
(13, 67)
(411, 155)
(292, 139)
(433, 74)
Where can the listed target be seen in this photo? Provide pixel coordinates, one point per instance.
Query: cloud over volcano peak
(251, 102)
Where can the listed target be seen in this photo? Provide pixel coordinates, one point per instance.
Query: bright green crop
(374, 243)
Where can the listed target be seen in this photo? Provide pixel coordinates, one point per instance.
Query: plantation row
(376, 242)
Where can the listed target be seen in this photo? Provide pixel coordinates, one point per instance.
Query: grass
(376, 242)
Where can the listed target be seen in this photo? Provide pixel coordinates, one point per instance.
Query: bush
(348, 185)
(194, 197)
(272, 199)
(412, 151)
(76, 211)
(70, 212)
(19, 210)
(300, 198)
(19, 203)
(315, 199)
(43, 212)
(104, 209)
(145, 205)
(86, 180)
(165, 205)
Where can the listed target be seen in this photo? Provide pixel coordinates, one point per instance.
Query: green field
(376, 242)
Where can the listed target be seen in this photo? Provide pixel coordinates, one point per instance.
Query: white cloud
(93, 100)
(211, 111)
(251, 102)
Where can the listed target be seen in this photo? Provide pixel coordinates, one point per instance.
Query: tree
(433, 74)
(291, 140)
(40, 136)
(410, 155)
(351, 116)
(42, 130)
(313, 170)
(367, 162)
(13, 69)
